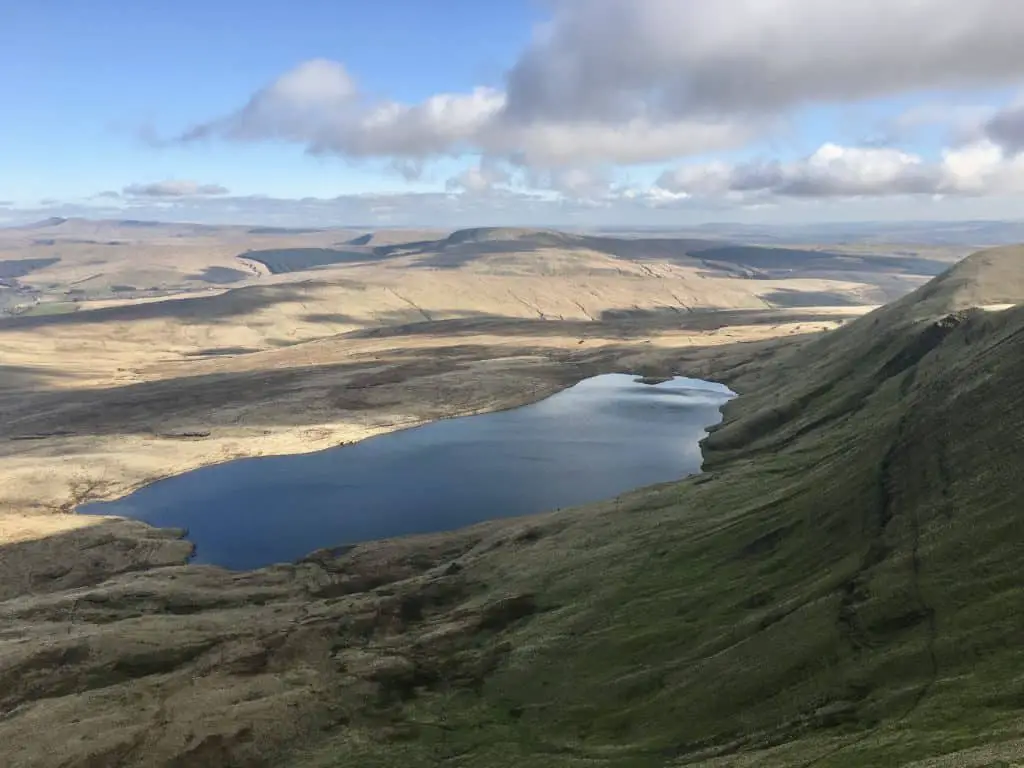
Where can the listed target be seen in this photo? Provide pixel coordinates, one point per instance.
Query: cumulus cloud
(318, 104)
(568, 144)
(609, 83)
(984, 168)
(1006, 128)
(635, 81)
(616, 59)
(171, 188)
(484, 178)
(831, 171)
(292, 107)
(442, 124)
(579, 183)
(840, 172)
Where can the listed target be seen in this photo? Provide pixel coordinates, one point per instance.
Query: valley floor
(67, 443)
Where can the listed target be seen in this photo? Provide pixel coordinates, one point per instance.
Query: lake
(602, 437)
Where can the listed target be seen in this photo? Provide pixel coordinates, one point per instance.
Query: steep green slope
(819, 382)
(843, 588)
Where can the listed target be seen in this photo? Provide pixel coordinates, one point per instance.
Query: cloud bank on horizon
(706, 107)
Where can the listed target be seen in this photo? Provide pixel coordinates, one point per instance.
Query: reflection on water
(604, 436)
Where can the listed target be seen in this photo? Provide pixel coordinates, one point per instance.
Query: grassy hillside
(849, 594)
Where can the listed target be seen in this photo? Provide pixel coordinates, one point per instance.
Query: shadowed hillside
(717, 256)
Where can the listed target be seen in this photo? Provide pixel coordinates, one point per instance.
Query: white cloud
(483, 178)
(620, 82)
(835, 171)
(300, 103)
(616, 59)
(171, 188)
(443, 124)
(580, 183)
(607, 83)
(318, 104)
(554, 144)
(984, 168)
(611, 83)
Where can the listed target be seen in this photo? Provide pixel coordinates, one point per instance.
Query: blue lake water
(593, 441)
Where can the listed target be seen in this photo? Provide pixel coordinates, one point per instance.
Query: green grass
(843, 589)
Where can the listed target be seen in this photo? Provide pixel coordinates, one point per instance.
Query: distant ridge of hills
(970, 233)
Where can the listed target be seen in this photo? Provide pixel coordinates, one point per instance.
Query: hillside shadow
(11, 269)
(720, 257)
(222, 351)
(750, 262)
(789, 298)
(282, 231)
(614, 323)
(219, 275)
(193, 309)
(782, 262)
(281, 261)
(455, 252)
(143, 407)
(28, 377)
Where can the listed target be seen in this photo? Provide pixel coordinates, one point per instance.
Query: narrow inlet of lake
(593, 441)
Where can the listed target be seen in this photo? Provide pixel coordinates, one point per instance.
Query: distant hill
(464, 246)
(102, 230)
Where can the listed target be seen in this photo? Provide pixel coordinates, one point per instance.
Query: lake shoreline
(27, 521)
(605, 398)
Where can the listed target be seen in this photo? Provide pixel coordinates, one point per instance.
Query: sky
(529, 112)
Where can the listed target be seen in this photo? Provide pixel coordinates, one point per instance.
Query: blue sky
(608, 108)
(95, 73)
